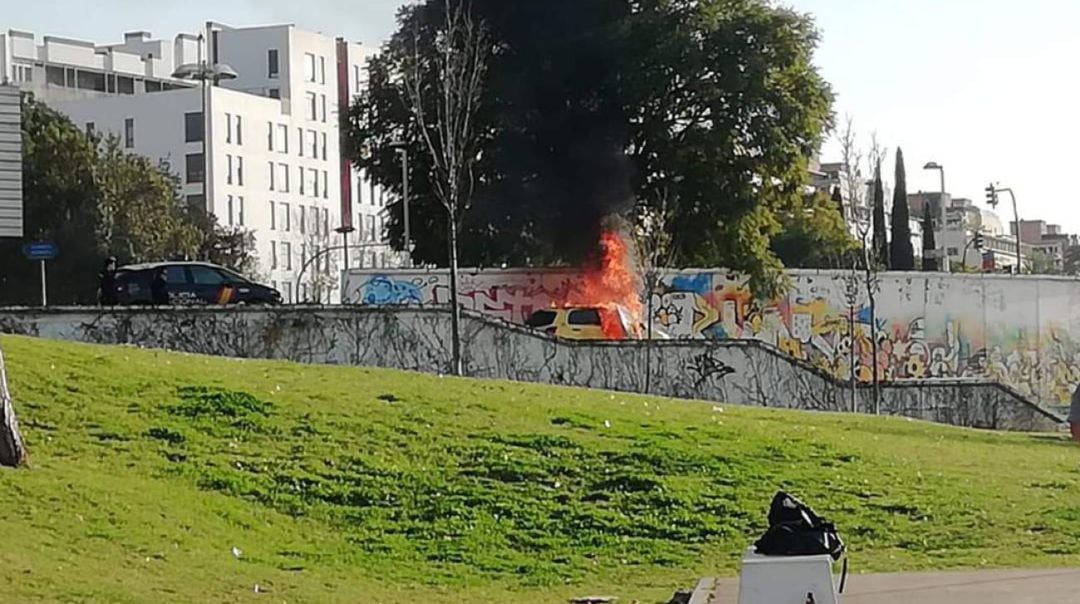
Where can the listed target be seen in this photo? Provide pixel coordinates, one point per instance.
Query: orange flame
(611, 284)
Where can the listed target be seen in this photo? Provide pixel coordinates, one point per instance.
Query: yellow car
(579, 323)
(587, 323)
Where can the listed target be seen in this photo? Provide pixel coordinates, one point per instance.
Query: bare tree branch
(462, 48)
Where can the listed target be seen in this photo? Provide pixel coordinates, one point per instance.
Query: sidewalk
(982, 587)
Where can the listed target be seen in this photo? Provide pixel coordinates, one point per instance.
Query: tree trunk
(455, 308)
(12, 448)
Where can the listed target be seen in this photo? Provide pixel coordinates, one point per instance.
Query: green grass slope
(353, 485)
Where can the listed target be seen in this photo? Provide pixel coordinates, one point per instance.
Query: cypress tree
(902, 254)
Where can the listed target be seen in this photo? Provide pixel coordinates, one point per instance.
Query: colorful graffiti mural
(1022, 331)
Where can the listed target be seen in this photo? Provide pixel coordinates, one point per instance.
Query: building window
(326, 224)
(129, 133)
(324, 145)
(239, 131)
(311, 106)
(283, 133)
(300, 140)
(273, 255)
(228, 128)
(309, 67)
(322, 98)
(301, 180)
(269, 136)
(231, 210)
(286, 252)
(274, 93)
(196, 202)
(196, 170)
(229, 162)
(302, 214)
(270, 170)
(273, 68)
(313, 140)
(288, 292)
(239, 170)
(283, 180)
(325, 185)
(322, 70)
(371, 228)
(273, 284)
(303, 254)
(193, 127)
(356, 79)
(273, 216)
(314, 220)
(286, 217)
(313, 182)
(125, 85)
(240, 210)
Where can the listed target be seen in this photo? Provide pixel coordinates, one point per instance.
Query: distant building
(1047, 239)
(11, 196)
(274, 163)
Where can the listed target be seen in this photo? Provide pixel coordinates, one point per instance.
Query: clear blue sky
(988, 88)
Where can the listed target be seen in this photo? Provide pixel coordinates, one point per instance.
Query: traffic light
(979, 241)
(991, 196)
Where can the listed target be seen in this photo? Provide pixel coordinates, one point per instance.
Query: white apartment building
(272, 135)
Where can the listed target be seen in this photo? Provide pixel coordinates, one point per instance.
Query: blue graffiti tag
(699, 284)
(382, 290)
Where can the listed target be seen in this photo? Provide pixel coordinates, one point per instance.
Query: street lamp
(402, 149)
(936, 166)
(203, 72)
(992, 200)
(344, 230)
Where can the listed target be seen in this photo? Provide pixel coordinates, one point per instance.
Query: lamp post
(344, 231)
(941, 202)
(205, 73)
(403, 150)
(936, 166)
(992, 199)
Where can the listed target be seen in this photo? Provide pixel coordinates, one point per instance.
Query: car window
(175, 275)
(585, 316)
(204, 275)
(541, 318)
(233, 277)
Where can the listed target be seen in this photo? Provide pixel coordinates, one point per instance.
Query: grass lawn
(351, 485)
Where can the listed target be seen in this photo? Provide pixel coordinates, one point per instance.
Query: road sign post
(42, 251)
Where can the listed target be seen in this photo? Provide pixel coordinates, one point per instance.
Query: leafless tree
(853, 156)
(656, 249)
(12, 447)
(462, 49)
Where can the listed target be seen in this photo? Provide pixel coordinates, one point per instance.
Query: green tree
(1072, 260)
(929, 259)
(591, 105)
(902, 253)
(879, 256)
(1042, 263)
(813, 234)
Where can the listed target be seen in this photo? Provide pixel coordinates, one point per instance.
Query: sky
(985, 88)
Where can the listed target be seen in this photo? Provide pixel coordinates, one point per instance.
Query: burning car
(584, 323)
(590, 323)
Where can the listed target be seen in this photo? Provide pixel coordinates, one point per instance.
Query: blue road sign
(40, 250)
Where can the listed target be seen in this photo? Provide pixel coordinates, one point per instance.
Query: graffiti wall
(1020, 331)
(731, 371)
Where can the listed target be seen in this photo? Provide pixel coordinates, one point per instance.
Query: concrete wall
(731, 371)
(1020, 331)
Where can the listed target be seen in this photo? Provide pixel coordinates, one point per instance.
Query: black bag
(795, 530)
